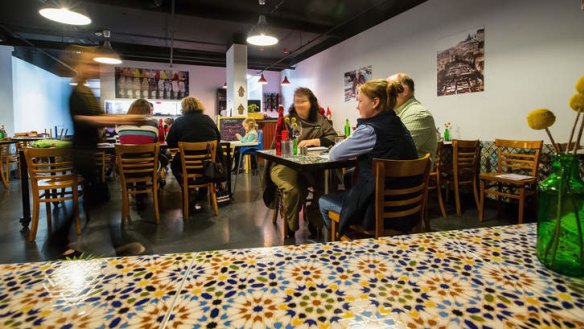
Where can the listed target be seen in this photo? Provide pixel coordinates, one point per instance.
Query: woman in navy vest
(379, 134)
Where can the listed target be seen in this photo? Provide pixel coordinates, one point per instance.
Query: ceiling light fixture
(225, 85)
(65, 16)
(260, 35)
(105, 54)
(285, 82)
(262, 80)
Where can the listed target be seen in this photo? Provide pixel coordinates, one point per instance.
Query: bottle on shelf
(280, 126)
(3, 132)
(160, 131)
(347, 128)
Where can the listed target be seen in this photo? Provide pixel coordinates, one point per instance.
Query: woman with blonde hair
(379, 134)
(251, 135)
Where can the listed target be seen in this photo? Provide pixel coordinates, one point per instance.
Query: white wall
(203, 80)
(534, 54)
(6, 93)
(40, 98)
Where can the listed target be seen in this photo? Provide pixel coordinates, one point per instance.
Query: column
(236, 79)
(6, 89)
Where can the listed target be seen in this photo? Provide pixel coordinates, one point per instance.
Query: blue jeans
(330, 202)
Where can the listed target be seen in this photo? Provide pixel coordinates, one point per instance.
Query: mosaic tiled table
(478, 278)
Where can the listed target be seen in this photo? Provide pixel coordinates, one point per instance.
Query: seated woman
(144, 134)
(379, 134)
(192, 126)
(251, 135)
(316, 131)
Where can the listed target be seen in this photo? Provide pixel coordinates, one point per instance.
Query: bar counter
(477, 278)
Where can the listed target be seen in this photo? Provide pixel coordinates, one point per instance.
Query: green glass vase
(560, 241)
(446, 135)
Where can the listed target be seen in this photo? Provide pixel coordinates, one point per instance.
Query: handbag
(214, 171)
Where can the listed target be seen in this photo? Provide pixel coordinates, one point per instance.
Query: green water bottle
(347, 128)
(295, 146)
(446, 135)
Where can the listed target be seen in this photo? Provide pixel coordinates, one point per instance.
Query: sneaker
(131, 248)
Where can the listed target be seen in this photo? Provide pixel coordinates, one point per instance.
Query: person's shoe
(131, 248)
(290, 234)
(314, 231)
(71, 254)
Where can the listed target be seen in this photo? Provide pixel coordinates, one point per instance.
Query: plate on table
(317, 149)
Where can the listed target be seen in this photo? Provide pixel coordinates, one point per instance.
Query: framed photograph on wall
(461, 63)
(152, 84)
(353, 79)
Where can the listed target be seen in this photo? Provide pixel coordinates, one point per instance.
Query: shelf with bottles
(160, 108)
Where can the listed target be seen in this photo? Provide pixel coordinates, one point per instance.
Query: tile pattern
(478, 278)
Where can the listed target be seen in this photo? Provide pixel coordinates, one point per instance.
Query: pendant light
(260, 34)
(262, 80)
(285, 82)
(105, 54)
(65, 15)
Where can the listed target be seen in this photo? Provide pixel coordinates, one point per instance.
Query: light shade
(225, 85)
(285, 81)
(260, 35)
(262, 80)
(106, 54)
(65, 16)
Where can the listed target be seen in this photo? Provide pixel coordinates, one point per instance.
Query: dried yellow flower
(293, 119)
(580, 85)
(577, 102)
(287, 119)
(541, 119)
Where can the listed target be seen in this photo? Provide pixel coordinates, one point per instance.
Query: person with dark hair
(379, 134)
(143, 134)
(415, 116)
(88, 117)
(316, 131)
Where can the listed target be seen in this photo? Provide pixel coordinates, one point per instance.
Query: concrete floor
(245, 223)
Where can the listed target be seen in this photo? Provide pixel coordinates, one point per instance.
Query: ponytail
(393, 89)
(386, 92)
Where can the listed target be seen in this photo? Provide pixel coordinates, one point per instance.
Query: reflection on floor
(245, 223)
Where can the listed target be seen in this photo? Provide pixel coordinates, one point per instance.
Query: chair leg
(521, 203)
(185, 190)
(48, 211)
(213, 199)
(4, 168)
(457, 197)
(125, 202)
(237, 171)
(475, 192)
(76, 210)
(155, 199)
(440, 201)
(482, 202)
(35, 218)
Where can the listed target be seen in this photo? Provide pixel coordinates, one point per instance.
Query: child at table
(251, 135)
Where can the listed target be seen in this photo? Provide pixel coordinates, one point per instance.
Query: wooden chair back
(51, 164)
(435, 183)
(393, 201)
(137, 160)
(465, 157)
(100, 162)
(50, 170)
(524, 160)
(193, 155)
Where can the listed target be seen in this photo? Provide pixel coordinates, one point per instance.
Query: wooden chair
(138, 166)
(435, 178)
(465, 164)
(100, 162)
(513, 156)
(51, 170)
(193, 155)
(393, 202)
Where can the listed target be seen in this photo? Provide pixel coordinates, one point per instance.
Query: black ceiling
(200, 31)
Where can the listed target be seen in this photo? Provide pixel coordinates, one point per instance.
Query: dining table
(315, 160)
(473, 278)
